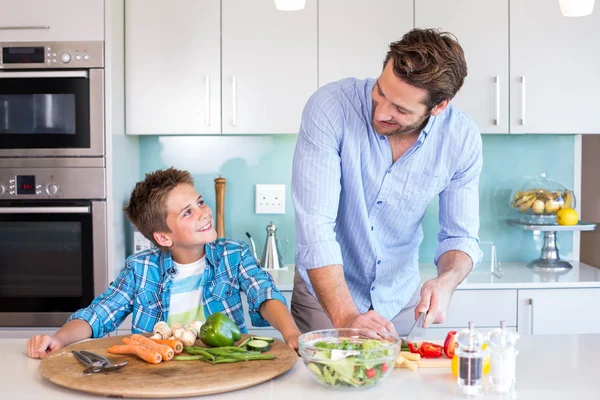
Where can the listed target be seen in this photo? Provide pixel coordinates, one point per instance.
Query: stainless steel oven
(52, 239)
(51, 99)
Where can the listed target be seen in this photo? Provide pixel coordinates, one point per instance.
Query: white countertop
(548, 367)
(514, 276)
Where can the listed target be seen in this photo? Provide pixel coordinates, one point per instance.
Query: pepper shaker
(470, 360)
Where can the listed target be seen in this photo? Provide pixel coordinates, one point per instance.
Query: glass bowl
(540, 199)
(348, 358)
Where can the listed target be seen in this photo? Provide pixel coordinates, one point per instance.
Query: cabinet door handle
(23, 27)
(207, 111)
(530, 316)
(522, 100)
(234, 100)
(497, 122)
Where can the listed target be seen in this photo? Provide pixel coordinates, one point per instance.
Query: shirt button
(378, 262)
(382, 137)
(172, 270)
(373, 288)
(389, 171)
(379, 202)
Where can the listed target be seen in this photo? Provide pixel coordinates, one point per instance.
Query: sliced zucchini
(258, 345)
(244, 343)
(263, 338)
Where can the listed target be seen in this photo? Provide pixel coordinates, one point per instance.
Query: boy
(189, 276)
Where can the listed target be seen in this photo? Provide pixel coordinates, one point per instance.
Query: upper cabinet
(218, 66)
(173, 66)
(354, 36)
(50, 21)
(269, 65)
(481, 28)
(551, 78)
(553, 62)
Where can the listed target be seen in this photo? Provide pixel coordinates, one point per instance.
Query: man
(371, 155)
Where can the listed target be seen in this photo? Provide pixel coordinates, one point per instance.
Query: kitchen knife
(416, 329)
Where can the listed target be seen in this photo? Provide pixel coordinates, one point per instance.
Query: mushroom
(188, 337)
(161, 331)
(176, 325)
(196, 325)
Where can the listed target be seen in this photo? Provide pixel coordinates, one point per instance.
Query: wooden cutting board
(167, 379)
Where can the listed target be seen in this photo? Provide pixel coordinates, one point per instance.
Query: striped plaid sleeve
(258, 286)
(108, 310)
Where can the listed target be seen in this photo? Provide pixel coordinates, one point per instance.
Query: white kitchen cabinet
(558, 58)
(229, 66)
(268, 331)
(354, 38)
(173, 66)
(486, 308)
(481, 28)
(25, 333)
(48, 21)
(269, 65)
(559, 311)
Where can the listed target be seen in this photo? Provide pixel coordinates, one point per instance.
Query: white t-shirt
(186, 293)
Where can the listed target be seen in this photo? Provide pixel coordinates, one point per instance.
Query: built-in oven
(52, 239)
(51, 99)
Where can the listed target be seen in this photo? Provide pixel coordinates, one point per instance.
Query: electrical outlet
(270, 199)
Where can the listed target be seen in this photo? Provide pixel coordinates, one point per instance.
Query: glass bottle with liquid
(470, 360)
(503, 358)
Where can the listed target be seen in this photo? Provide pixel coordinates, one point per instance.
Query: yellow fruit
(538, 206)
(568, 199)
(552, 206)
(567, 216)
(454, 366)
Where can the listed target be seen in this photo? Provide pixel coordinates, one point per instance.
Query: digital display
(23, 55)
(25, 184)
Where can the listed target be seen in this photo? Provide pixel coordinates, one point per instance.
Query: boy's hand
(40, 345)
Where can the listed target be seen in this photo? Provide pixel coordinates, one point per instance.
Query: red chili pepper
(430, 350)
(414, 348)
(384, 367)
(450, 344)
(370, 373)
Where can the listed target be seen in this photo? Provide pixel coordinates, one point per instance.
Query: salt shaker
(503, 358)
(470, 360)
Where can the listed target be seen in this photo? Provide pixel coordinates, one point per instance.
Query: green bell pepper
(219, 330)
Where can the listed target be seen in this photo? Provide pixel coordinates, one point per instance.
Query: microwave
(51, 99)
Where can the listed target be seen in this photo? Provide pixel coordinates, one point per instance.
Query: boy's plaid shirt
(144, 288)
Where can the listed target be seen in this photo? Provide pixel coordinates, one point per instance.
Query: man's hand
(370, 320)
(40, 345)
(453, 267)
(435, 299)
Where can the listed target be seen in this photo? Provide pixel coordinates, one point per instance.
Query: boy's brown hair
(430, 60)
(147, 208)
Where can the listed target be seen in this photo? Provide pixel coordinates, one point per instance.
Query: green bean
(188, 358)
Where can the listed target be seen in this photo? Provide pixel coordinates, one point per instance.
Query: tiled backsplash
(509, 162)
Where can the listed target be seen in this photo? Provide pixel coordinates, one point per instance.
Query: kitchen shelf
(549, 260)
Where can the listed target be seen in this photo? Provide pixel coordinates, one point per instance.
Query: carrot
(175, 344)
(165, 351)
(146, 354)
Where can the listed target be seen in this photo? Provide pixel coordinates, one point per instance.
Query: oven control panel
(41, 55)
(49, 183)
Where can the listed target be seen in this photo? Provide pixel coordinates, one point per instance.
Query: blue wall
(509, 162)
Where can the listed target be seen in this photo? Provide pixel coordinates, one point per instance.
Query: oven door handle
(45, 210)
(44, 74)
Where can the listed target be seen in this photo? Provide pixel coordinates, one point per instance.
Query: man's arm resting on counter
(453, 268)
(332, 292)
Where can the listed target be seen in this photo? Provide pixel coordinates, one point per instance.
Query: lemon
(567, 216)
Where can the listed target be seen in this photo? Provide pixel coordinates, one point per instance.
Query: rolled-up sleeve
(316, 182)
(107, 311)
(459, 204)
(258, 286)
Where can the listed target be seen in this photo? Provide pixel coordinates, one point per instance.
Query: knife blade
(416, 329)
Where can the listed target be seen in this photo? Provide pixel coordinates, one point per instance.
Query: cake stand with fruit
(549, 207)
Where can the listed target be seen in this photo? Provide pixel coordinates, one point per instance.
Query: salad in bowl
(348, 358)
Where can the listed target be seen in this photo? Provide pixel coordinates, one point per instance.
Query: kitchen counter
(515, 275)
(548, 367)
